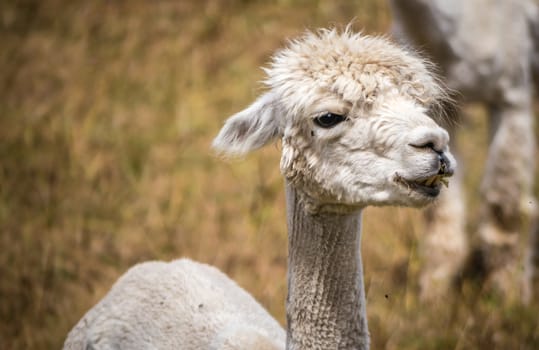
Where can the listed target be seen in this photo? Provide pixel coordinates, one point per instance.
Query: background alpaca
(485, 50)
(351, 111)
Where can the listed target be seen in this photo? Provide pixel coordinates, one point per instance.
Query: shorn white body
(357, 119)
(488, 51)
(177, 305)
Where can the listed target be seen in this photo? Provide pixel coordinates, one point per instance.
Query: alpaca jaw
(403, 187)
(428, 187)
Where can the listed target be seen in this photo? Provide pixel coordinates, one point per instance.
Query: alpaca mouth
(429, 186)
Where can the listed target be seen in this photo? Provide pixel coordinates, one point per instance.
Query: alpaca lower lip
(429, 186)
(430, 191)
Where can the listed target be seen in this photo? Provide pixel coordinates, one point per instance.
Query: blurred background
(107, 111)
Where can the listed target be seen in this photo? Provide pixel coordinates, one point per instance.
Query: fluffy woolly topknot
(359, 69)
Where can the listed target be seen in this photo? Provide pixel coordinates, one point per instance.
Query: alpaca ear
(250, 129)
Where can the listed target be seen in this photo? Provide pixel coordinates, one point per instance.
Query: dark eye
(329, 120)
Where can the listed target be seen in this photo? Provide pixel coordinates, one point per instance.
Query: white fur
(177, 305)
(386, 94)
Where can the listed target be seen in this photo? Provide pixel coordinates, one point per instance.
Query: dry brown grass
(107, 112)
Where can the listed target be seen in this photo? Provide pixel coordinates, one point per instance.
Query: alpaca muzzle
(444, 168)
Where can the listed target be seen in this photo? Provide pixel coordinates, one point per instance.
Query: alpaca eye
(329, 120)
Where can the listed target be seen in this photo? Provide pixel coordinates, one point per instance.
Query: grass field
(107, 111)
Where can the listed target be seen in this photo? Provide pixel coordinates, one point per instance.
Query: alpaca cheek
(293, 164)
(297, 150)
(287, 161)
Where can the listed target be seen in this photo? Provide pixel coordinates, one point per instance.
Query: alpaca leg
(445, 243)
(507, 195)
(531, 267)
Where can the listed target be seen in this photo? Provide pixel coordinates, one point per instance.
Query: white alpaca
(352, 114)
(486, 50)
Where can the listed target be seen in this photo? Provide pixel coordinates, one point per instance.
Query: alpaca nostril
(429, 138)
(423, 145)
(427, 145)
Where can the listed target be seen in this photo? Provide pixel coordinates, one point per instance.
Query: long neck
(326, 298)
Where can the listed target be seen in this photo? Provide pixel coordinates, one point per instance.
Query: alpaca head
(352, 112)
